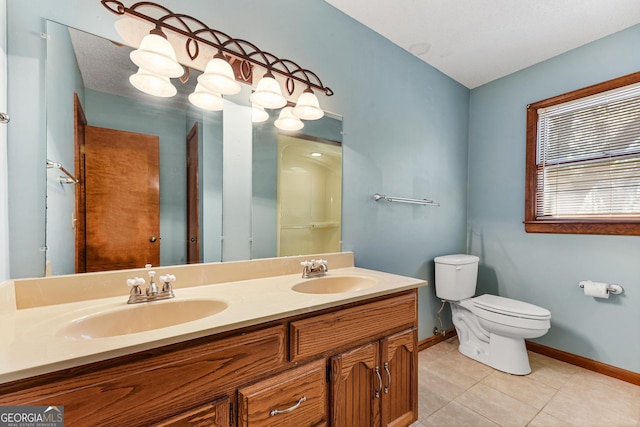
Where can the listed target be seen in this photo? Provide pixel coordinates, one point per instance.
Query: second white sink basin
(334, 284)
(134, 318)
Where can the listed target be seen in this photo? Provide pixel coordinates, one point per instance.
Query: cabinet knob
(153, 239)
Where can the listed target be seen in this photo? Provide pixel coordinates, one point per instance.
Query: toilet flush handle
(458, 268)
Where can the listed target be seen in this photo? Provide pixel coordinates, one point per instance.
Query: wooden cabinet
(294, 398)
(270, 375)
(215, 414)
(157, 385)
(328, 332)
(376, 384)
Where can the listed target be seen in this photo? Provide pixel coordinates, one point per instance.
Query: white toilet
(491, 329)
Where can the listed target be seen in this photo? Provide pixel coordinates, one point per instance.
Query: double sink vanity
(247, 343)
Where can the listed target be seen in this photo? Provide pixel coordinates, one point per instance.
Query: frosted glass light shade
(287, 121)
(258, 115)
(152, 84)
(218, 77)
(268, 94)
(308, 107)
(205, 99)
(157, 55)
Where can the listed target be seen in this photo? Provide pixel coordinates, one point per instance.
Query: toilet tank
(456, 276)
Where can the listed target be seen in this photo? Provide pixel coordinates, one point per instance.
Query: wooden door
(79, 129)
(399, 363)
(193, 217)
(356, 387)
(122, 194)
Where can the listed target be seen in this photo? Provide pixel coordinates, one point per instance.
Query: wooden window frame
(627, 227)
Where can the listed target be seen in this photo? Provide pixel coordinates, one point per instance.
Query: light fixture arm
(242, 50)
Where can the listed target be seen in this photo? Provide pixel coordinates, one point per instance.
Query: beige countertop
(34, 342)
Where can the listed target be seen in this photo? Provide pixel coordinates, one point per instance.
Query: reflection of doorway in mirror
(122, 199)
(309, 196)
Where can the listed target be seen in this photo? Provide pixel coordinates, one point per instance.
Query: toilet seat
(510, 307)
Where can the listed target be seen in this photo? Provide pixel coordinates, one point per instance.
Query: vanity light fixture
(308, 107)
(152, 84)
(240, 56)
(258, 115)
(156, 55)
(218, 76)
(287, 120)
(268, 93)
(316, 154)
(206, 99)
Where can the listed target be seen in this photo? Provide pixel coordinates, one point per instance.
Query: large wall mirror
(225, 188)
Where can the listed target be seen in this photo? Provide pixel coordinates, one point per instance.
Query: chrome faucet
(314, 268)
(152, 293)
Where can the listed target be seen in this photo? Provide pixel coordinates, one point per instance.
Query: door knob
(4, 118)
(153, 239)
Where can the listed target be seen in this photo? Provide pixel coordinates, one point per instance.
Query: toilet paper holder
(612, 288)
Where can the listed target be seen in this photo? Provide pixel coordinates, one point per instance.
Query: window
(583, 161)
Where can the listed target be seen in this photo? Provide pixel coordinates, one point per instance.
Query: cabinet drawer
(214, 414)
(319, 334)
(295, 398)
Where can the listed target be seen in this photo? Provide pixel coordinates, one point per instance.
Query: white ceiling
(477, 41)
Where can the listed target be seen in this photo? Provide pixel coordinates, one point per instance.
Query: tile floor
(457, 391)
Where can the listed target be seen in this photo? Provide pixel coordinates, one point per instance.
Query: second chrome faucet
(314, 268)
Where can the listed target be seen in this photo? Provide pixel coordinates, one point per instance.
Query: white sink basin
(334, 284)
(141, 317)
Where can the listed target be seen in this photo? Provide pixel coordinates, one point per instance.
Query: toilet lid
(510, 307)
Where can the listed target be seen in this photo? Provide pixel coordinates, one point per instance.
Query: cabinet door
(214, 414)
(356, 385)
(399, 364)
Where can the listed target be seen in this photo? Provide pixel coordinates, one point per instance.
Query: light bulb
(152, 84)
(287, 121)
(205, 99)
(218, 77)
(308, 107)
(157, 55)
(268, 93)
(258, 115)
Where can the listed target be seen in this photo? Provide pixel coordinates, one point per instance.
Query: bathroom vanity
(323, 355)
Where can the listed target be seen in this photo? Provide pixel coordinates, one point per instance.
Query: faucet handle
(306, 263)
(136, 281)
(135, 284)
(167, 279)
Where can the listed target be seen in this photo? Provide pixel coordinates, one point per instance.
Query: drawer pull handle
(293, 408)
(386, 368)
(377, 369)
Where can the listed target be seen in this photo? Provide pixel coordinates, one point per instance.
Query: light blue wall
(62, 71)
(405, 127)
(545, 269)
(264, 189)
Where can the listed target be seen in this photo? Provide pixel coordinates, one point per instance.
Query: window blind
(588, 157)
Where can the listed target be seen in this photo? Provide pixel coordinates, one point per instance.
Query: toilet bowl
(491, 329)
